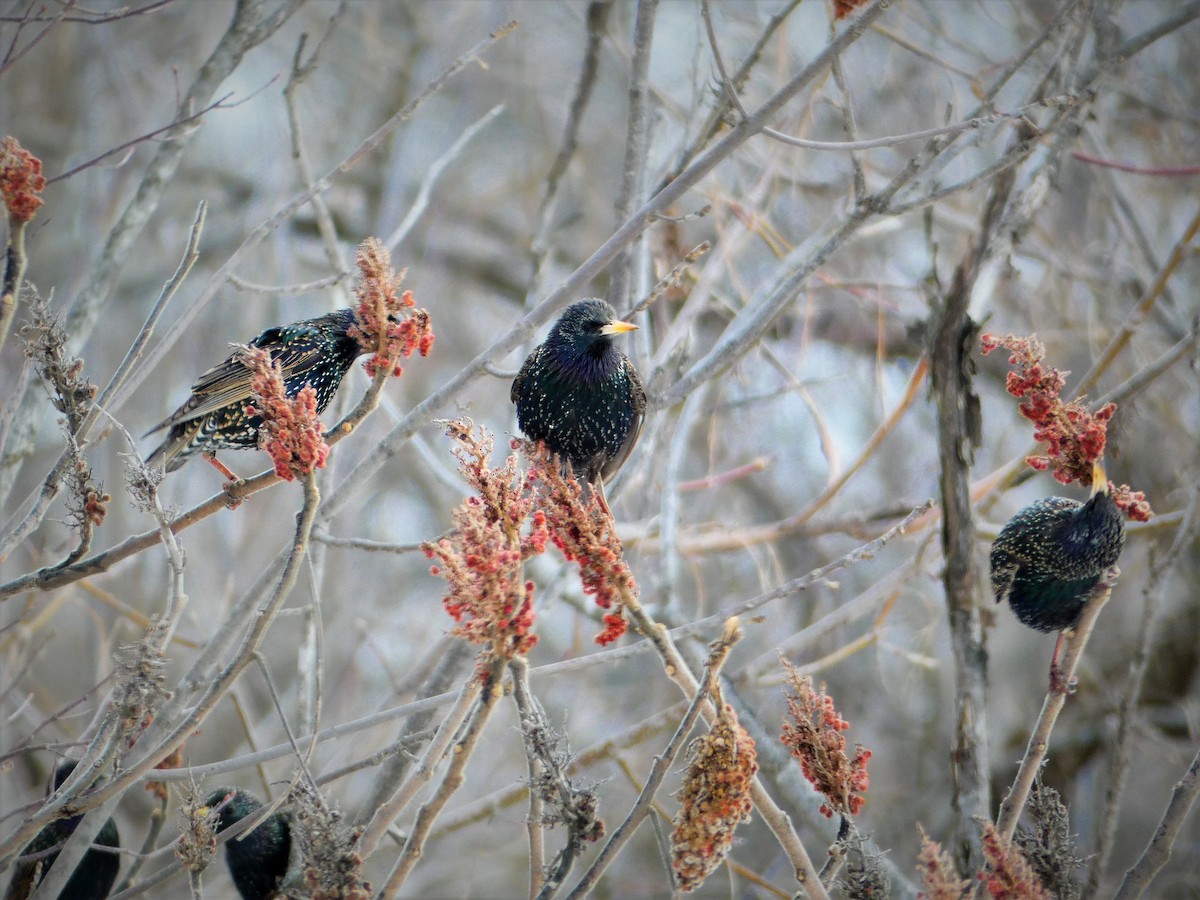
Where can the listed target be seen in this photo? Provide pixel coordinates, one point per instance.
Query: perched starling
(1050, 557)
(94, 876)
(316, 351)
(258, 860)
(580, 395)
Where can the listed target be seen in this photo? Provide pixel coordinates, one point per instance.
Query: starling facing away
(1053, 554)
(258, 859)
(316, 351)
(580, 395)
(94, 876)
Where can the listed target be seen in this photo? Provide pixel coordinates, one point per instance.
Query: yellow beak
(618, 327)
(1099, 478)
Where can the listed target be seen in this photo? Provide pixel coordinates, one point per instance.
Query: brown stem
(464, 749)
(1039, 740)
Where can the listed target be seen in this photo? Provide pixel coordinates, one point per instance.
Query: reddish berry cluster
(584, 532)
(939, 877)
(509, 519)
(380, 330)
(1075, 437)
(814, 736)
(714, 800)
(1007, 875)
(21, 180)
(843, 8)
(496, 531)
(291, 432)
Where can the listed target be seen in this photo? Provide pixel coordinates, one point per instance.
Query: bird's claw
(1060, 684)
(1109, 578)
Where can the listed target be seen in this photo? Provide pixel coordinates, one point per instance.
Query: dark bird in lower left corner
(317, 352)
(96, 873)
(580, 395)
(1051, 556)
(258, 859)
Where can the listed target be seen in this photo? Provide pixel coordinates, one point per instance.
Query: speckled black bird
(1052, 554)
(257, 860)
(316, 351)
(92, 879)
(580, 395)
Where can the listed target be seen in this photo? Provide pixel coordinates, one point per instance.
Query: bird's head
(587, 327)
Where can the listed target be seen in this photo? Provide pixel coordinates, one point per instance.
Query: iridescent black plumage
(580, 395)
(257, 860)
(1048, 559)
(92, 879)
(316, 351)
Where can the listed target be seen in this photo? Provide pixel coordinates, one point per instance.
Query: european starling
(1053, 554)
(580, 395)
(316, 351)
(258, 860)
(94, 876)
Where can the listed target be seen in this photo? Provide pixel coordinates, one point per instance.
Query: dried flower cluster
(939, 877)
(815, 738)
(584, 532)
(291, 432)
(565, 803)
(140, 684)
(21, 180)
(197, 844)
(495, 531)
(332, 863)
(1075, 438)
(714, 800)
(46, 345)
(1007, 874)
(862, 875)
(1048, 845)
(380, 329)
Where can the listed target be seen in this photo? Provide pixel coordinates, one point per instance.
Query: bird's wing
(514, 394)
(229, 380)
(638, 395)
(1008, 556)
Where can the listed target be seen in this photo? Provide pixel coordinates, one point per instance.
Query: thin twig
(663, 761)
(1039, 739)
(464, 749)
(425, 411)
(532, 719)
(1141, 309)
(597, 18)
(447, 733)
(164, 735)
(1158, 851)
(1122, 751)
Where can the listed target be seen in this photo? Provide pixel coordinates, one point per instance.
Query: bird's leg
(221, 467)
(598, 487)
(1059, 684)
(1109, 579)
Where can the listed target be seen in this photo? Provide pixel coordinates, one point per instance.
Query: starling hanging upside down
(580, 395)
(258, 860)
(1053, 554)
(315, 352)
(94, 876)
